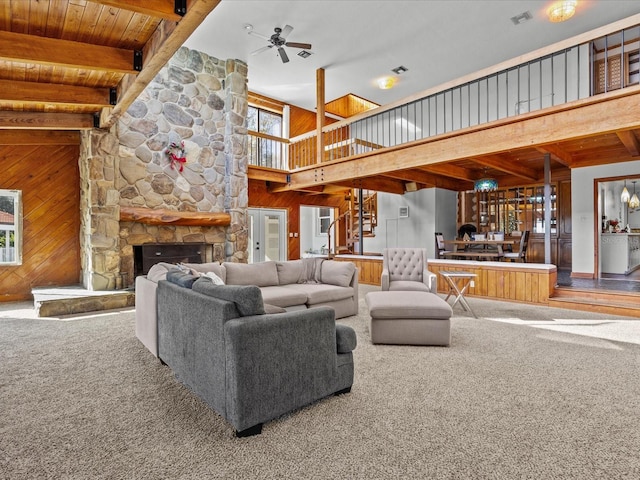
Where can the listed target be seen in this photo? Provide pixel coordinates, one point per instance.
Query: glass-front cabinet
(514, 210)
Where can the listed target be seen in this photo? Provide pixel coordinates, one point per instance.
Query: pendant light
(634, 202)
(624, 198)
(485, 184)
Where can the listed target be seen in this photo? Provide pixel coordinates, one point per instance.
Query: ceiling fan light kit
(279, 41)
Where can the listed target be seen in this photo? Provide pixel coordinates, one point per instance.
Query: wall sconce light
(562, 11)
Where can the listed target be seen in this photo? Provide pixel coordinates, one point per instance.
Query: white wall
(584, 211)
(309, 238)
(430, 210)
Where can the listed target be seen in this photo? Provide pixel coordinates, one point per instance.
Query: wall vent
(403, 212)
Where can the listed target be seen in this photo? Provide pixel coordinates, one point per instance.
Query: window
(264, 121)
(265, 148)
(10, 227)
(324, 220)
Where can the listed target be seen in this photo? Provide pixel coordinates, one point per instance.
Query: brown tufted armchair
(406, 269)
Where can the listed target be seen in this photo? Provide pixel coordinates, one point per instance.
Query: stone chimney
(198, 103)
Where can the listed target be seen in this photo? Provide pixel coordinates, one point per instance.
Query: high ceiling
(360, 41)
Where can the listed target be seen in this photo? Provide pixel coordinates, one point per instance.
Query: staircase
(367, 216)
(601, 301)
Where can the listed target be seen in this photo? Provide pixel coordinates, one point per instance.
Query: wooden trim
(39, 137)
(587, 275)
(51, 93)
(161, 216)
(265, 103)
(46, 121)
(153, 8)
(266, 174)
(275, 138)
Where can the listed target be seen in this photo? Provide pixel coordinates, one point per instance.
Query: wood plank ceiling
(73, 64)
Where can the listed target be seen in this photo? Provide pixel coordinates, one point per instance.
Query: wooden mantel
(162, 216)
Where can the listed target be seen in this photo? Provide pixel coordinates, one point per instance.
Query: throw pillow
(214, 278)
(337, 273)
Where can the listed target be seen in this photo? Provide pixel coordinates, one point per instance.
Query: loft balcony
(575, 101)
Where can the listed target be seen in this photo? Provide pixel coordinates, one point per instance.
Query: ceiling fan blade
(283, 55)
(259, 35)
(306, 46)
(260, 50)
(286, 31)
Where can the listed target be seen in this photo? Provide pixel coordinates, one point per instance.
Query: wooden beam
(266, 174)
(505, 165)
(22, 48)
(50, 93)
(161, 216)
(320, 101)
(39, 137)
(607, 113)
(46, 121)
(557, 153)
(630, 141)
(153, 8)
(164, 42)
(430, 179)
(452, 171)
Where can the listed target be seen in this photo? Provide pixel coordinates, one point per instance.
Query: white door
(267, 235)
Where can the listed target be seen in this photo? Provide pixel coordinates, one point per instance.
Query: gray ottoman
(409, 318)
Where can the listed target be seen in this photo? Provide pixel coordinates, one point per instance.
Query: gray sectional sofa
(291, 285)
(248, 365)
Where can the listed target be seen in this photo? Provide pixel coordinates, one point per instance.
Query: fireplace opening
(148, 254)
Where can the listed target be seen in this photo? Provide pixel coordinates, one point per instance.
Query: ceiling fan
(279, 40)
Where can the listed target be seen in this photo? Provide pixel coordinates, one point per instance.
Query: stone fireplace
(131, 192)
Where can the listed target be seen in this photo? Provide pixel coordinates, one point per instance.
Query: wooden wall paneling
(49, 179)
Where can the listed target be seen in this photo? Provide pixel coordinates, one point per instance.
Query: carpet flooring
(522, 393)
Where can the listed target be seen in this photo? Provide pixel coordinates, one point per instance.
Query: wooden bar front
(516, 282)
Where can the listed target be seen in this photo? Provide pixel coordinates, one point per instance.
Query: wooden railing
(265, 150)
(567, 71)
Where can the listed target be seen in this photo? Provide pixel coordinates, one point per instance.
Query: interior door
(267, 235)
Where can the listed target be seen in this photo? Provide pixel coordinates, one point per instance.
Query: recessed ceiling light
(399, 70)
(248, 27)
(385, 83)
(523, 17)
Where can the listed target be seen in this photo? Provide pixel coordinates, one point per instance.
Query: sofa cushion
(181, 278)
(268, 308)
(247, 298)
(290, 271)
(346, 340)
(159, 271)
(283, 296)
(261, 274)
(322, 292)
(337, 273)
(214, 267)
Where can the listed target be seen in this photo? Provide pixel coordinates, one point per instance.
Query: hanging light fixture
(485, 184)
(634, 202)
(562, 10)
(624, 197)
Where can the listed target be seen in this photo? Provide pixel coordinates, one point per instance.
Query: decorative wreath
(176, 155)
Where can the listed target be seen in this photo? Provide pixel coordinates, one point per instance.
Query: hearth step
(68, 300)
